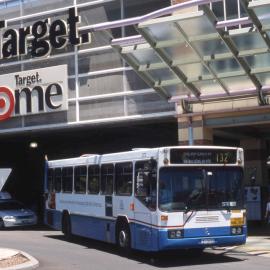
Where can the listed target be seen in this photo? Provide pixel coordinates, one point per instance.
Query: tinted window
(67, 179)
(50, 182)
(200, 189)
(93, 179)
(107, 171)
(146, 182)
(80, 179)
(57, 180)
(11, 205)
(123, 178)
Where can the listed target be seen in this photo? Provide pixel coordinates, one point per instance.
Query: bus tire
(2, 225)
(66, 226)
(123, 238)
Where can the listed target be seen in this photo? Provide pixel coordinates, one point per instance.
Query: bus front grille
(207, 219)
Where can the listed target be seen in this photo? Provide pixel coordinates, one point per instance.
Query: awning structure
(192, 57)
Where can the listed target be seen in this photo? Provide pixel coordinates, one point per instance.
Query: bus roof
(136, 153)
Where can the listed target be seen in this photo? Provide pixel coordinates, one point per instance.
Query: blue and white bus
(150, 199)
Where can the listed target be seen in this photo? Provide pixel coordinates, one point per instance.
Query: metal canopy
(190, 57)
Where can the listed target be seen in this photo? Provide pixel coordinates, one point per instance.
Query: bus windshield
(184, 189)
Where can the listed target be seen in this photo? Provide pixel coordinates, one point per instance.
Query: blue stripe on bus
(194, 238)
(53, 218)
(146, 238)
(91, 227)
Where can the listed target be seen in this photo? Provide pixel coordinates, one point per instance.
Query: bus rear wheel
(66, 226)
(124, 239)
(2, 225)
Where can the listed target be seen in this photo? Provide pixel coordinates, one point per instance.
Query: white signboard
(33, 91)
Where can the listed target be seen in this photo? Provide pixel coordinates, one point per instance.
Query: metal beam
(177, 71)
(230, 44)
(245, 93)
(255, 21)
(161, 91)
(206, 65)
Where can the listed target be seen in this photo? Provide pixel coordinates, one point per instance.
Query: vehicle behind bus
(150, 199)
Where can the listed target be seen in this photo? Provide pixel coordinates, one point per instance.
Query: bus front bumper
(200, 242)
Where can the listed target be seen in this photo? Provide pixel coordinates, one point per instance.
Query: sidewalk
(11, 259)
(258, 241)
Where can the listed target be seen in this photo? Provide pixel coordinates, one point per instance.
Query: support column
(255, 177)
(201, 135)
(255, 162)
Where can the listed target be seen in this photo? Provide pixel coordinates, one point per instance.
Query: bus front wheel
(124, 238)
(66, 226)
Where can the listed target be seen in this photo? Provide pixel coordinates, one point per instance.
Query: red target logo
(7, 103)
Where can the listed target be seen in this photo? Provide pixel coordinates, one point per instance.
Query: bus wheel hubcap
(122, 239)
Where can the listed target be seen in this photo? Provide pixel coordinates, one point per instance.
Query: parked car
(14, 213)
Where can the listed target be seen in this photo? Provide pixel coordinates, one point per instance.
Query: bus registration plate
(207, 241)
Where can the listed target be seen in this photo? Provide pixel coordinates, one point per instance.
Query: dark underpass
(25, 183)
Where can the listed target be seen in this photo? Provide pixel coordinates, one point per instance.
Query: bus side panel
(144, 237)
(92, 227)
(53, 219)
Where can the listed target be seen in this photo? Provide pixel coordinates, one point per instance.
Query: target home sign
(33, 92)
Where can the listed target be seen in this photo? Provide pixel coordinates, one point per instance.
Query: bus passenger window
(57, 180)
(107, 171)
(93, 179)
(80, 179)
(146, 182)
(67, 179)
(123, 178)
(50, 181)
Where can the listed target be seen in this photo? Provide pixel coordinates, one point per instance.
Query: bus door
(145, 202)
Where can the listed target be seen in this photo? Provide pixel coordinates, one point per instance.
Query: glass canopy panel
(177, 90)
(264, 78)
(210, 47)
(183, 40)
(225, 66)
(209, 87)
(238, 83)
(164, 31)
(258, 60)
(163, 74)
(182, 54)
(194, 71)
(262, 10)
(248, 41)
(170, 28)
(197, 26)
(146, 56)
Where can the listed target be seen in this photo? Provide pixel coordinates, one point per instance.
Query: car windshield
(11, 205)
(200, 188)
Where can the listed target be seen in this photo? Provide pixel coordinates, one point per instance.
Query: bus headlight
(175, 234)
(236, 230)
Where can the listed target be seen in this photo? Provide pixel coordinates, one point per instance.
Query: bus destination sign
(203, 156)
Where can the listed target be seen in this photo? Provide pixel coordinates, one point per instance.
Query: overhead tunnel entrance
(25, 182)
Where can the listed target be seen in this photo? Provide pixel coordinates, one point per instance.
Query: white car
(14, 213)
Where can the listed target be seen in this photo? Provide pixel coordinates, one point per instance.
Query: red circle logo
(7, 103)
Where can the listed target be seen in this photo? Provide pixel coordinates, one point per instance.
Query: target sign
(7, 103)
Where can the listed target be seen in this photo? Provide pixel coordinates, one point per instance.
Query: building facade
(77, 66)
